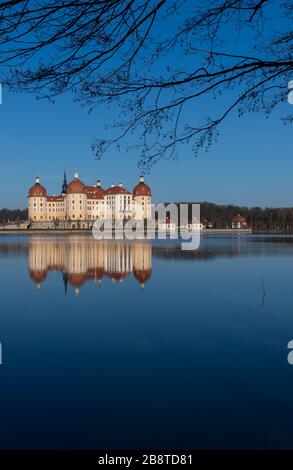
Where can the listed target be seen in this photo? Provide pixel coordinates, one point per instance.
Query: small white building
(167, 225)
(192, 225)
(239, 222)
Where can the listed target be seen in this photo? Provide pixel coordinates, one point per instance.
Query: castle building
(81, 260)
(79, 205)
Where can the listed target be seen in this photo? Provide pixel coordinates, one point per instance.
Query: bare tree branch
(157, 60)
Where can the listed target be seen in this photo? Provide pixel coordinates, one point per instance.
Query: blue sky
(250, 165)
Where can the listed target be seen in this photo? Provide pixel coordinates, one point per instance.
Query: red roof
(55, 198)
(76, 280)
(95, 273)
(114, 190)
(38, 275)
(239, 218)
(142, 189)
(37, 190)
(76, 187)
(142, 275)
(117, 275)
(94, 192)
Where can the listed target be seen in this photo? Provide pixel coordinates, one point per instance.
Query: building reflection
(81, 260)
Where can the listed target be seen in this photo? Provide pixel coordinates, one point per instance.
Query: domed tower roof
(38, 275)
(77, 280)
(142, 275)
(37, 190)
(76, 186)
(142, 189)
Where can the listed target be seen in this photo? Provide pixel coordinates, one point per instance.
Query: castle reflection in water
(81, 259)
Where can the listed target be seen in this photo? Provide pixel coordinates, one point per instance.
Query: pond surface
(108, 345)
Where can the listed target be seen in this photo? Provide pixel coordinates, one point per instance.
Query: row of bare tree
(220, 216)
(217, 216)
(12, 215)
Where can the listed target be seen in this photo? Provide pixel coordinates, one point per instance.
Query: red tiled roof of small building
(238, 218)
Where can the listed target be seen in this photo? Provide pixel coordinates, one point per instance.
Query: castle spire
(65, 281)
(64, 185)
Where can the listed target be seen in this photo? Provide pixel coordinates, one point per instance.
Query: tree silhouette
(159, 62)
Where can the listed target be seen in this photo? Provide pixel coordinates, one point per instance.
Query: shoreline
(4, 232)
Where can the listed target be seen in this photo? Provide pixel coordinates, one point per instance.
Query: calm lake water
(139, 345)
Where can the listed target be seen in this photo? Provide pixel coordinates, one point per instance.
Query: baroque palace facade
(81, 260)
(79, 205)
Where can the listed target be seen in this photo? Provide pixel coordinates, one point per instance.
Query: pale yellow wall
(118, 206)
(37, 208)
(142, 256)
(77, 207)
(55, 210)
(76, 259)
(95, 209)
(143, 207)
(79, 255)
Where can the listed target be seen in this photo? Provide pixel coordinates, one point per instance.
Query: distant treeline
(214, 215)
(14, 215)
(220, 216)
